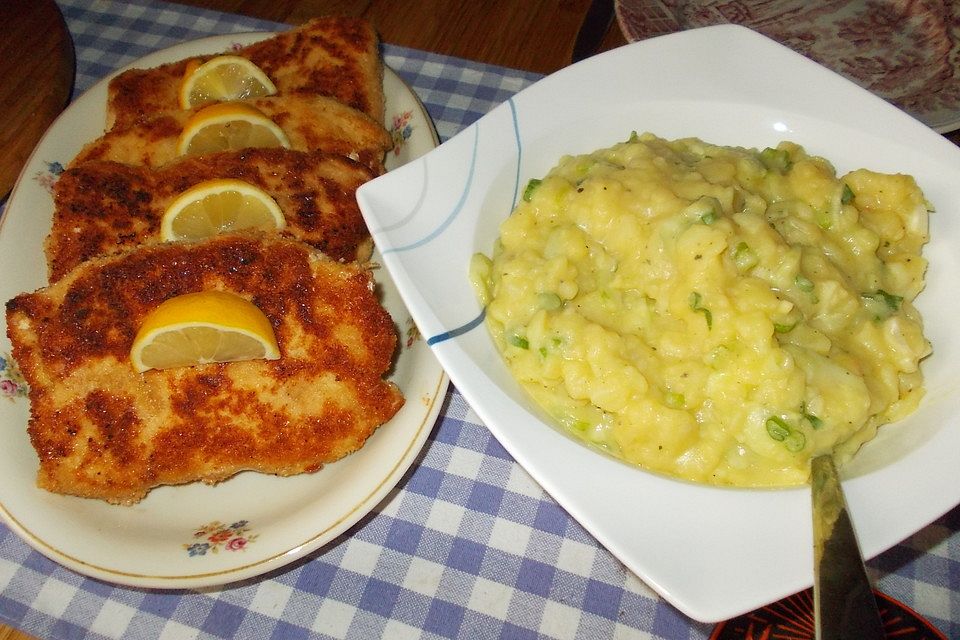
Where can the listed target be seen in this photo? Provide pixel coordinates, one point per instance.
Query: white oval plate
(197, 535)
(712, 552)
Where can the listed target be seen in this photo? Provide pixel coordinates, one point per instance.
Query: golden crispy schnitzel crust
(312, 123)
(334, 56)
(103, 207)
(101, 430)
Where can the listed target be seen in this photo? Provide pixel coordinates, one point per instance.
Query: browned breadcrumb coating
(335, 56)
(101, 430)
(312, 123)
(104, 207)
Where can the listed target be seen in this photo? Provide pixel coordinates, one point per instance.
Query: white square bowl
(712, 552)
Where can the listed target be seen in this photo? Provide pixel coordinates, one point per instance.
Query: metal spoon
(843, 601)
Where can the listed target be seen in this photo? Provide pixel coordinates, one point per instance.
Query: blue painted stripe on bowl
(416, 207)
(516, 135)
(459, 331)
(456, 209)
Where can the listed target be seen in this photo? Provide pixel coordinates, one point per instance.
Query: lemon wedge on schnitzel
(222, 79)
(218, 206)
(200, 328)
(229, 126)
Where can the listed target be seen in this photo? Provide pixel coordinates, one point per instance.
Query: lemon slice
(221, 79)
(218, 206)
(229, 126)
(203, 327)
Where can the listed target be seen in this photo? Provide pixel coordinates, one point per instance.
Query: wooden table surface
(533, 35)
(37, 67)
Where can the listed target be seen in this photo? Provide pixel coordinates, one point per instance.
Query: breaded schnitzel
(103, 207)
(312, 123)
(330, 56)
(101, 430)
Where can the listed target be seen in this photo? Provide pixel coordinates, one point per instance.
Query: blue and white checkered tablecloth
(467, 546)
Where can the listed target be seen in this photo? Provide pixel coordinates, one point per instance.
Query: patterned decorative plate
(792, 619)
(907, 52)
(197, 535)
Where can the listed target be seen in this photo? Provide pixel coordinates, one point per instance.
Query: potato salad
(718, 314)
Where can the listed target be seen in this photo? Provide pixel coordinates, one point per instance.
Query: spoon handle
(844, 604)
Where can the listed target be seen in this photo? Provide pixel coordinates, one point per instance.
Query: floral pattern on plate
(12, 383)
(48, 177)
(400, 130)
(412, 333)
(216, 536)
(905, 51)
